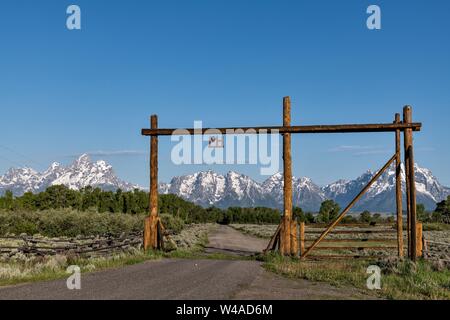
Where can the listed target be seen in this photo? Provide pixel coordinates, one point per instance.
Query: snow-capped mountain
(21, 180)
(204, 188)
(306, 193)
(81, 173)
(208, 188)
(241, 190)
(212, 189)
(381, 196)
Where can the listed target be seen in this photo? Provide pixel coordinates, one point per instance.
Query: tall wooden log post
(398, 187)
(410, 184)
(151, 238)
(285, 238)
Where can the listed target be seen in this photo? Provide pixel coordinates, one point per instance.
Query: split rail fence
(38, 246)
(437, 251)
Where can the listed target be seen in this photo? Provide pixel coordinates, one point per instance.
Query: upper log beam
(340, 128)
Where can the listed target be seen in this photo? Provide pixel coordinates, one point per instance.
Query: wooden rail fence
(348, 240)
(437, 250)
(29, 245)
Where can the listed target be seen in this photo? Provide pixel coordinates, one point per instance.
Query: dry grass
(400, 280)
(21, 268)
(28, 269)
(264, 231)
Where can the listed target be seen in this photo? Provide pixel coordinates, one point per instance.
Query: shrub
(69, 223)
(176, 224)
(365, 216)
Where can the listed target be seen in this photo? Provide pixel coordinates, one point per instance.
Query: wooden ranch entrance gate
(286, 235)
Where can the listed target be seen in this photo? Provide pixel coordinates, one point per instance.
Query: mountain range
(81, 173)
(208, 188)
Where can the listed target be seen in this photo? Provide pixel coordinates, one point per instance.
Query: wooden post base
(153, 233)
(419, 240)
(294, 238)
(302, 237)
(285, 237)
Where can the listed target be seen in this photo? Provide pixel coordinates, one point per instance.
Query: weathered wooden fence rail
(348, 240)
(29, 245)
(352, 241)
(437, 251)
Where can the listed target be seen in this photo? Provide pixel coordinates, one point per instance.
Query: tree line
(329, 211)
(95, 200)
(90, 199)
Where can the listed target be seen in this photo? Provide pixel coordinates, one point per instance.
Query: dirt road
(230, 241)
(188, 279)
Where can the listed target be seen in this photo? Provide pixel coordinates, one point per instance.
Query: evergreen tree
(422, 214)
(442, 211)
(329, 210)
(365, 216)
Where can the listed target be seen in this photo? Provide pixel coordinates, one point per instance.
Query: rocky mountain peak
(81, 173)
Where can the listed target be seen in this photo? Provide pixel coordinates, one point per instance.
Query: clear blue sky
(228, 63)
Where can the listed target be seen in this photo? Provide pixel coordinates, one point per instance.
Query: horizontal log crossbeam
(341, 128)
